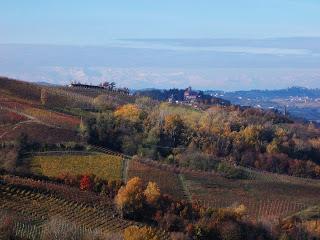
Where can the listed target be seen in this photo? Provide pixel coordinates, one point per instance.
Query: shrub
(144, 233)
(231, 172)
(196, 160)
(171, 223)
(86, 183)
(230, 230)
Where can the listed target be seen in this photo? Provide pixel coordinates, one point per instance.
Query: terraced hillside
(41, 205)
(9, 117)
(60, 97)
(38, 113)
(20, 115)
(52, 97)
(37, 132)
(266, 196)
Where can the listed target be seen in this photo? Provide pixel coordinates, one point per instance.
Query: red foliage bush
(86, 183)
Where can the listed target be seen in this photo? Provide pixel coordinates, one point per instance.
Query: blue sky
(97, 22)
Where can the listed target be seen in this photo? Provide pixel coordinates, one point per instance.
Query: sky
(99, 21)
(209, 44)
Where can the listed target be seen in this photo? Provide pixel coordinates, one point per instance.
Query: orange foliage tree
(129, 112)
(130, 198)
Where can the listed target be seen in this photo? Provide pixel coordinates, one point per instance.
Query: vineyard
(7, 117)
(21, 116)
(104, 166)
(272, 177)
(264, 199)
(53, 118)
(38, 132)
(39, 201)
(168, 182)
(60, 190)
(41, 206)
(20, 89)
(32, 92)
(48, 117)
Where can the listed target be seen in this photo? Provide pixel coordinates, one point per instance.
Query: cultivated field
(266, 197)
(36, 202)
(41, 115)
(38, 132)
(7, 117)
(105, 166)
(168, 182)
(41, 207)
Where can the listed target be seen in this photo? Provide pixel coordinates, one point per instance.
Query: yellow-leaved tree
(174, 128)
(129, 112)
(130, 198)
(152, 193)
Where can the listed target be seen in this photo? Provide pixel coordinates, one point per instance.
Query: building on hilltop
(106, 86)
(198, 97)
(87, 86)
(191, 96)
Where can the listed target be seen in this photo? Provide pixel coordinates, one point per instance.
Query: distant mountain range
(300, 102)
(269, 94)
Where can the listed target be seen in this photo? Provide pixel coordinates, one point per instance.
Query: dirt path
(34, 119)
(15, 126)
(126, 162)
(30, 118)
(185, 188)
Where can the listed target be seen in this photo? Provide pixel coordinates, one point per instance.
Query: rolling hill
(66, 153)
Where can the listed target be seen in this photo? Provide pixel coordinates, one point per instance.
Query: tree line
(228, 135)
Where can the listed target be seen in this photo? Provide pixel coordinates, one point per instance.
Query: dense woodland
(208, 139)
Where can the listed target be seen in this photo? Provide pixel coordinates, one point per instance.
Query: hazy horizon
(223, 64)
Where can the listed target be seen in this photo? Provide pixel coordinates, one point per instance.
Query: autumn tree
(273, 147)
(146, 103)
(107, 130)
(130, 198)
(44, 96)
(252, 135)
(152, 193)
(83, 131)
(174, 130)
(129, 112)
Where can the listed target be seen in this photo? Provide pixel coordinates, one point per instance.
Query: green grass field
(105, 166)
